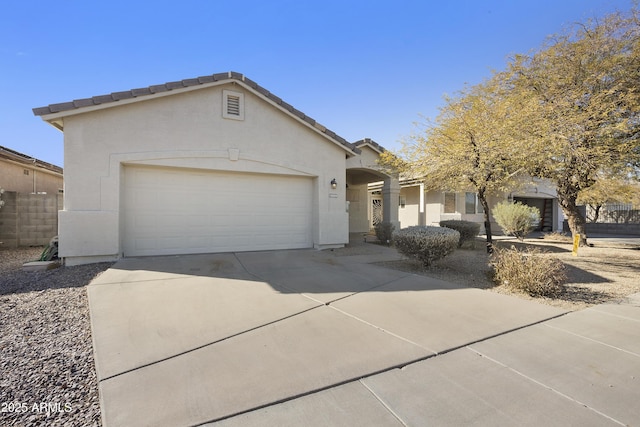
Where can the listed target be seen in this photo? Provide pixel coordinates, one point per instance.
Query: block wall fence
(28, 219)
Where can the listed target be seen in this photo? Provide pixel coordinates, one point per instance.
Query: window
(232, 105)
(449, 202)
(471, 205)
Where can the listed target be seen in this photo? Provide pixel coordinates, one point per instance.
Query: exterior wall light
(334, 184)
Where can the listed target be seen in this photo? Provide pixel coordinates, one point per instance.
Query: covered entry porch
(373, 196)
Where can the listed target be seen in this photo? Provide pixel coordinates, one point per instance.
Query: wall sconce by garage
(334, 184)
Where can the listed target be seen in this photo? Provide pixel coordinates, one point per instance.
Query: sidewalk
(580, 369)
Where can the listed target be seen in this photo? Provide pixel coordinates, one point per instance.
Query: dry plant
(529, 270)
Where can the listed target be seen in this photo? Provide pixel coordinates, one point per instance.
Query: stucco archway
(367, 186)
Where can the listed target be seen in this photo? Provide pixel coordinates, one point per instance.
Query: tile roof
(169, 86)
(7, 153)
(371, 142)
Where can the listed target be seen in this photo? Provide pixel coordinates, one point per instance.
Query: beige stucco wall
(187, 130)
(366, 160)
(409, 214)
(435, 209)
(434, 206)
(362, 170)
(358, 198)
(36, 180)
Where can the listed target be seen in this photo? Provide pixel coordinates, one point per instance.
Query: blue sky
(361, 68)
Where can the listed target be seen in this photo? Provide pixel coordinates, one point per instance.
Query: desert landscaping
(46, 346)
(600, 273)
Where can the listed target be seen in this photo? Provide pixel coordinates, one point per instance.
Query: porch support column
(421, 215)
(391, 201)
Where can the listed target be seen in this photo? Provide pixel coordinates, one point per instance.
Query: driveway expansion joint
(592, 340)
(548, 387)
(407, 364)
(383, 403)
(313, 391)
(434, 353)
(200, 347)
(614, 315)
(135, 282)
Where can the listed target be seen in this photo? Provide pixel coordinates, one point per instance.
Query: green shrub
(530, 271)
(384, 232)
(426, 243)
(468, 230)
(516, 218)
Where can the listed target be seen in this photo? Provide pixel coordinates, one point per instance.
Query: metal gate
(376, 210)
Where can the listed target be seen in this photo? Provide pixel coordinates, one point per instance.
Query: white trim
(366, 144)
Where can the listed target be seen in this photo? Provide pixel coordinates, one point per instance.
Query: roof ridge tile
(158, 88)
(101, 99)
(220, 76)
(174, 85)
(169, 86)
(117, 96)
(84, 102)
(206, 79)
(191, 82)
(141, 91)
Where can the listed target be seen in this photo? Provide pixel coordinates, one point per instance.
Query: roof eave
(301, 117)
(368, 142)
(59, 115)
(54, 114)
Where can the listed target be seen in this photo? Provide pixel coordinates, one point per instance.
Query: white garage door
(177, 211)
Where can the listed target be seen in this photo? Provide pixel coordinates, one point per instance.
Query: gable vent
(232, 105)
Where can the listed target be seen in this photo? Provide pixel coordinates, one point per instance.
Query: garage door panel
(171, 211)
(198, 222)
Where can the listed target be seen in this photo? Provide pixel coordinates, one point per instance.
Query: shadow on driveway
(183, 340)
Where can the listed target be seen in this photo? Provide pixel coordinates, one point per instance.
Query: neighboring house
(30, 203)
(421, 207)
(211, 164)
(25, 174)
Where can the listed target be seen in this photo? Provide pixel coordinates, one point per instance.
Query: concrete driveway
(325, 338)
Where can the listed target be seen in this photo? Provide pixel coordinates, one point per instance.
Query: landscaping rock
(46, 353)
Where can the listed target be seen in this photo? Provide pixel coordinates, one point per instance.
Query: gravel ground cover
(47, 369)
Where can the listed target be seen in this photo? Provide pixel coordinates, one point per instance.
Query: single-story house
(210, 164)
(218, 163)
